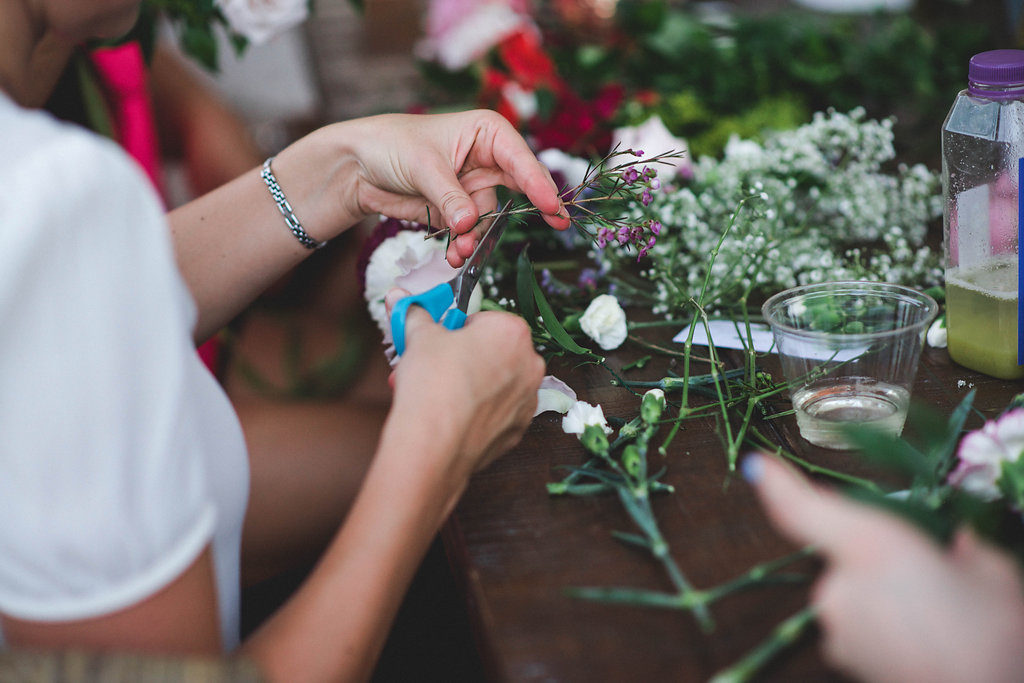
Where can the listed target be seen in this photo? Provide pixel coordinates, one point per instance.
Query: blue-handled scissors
(439, 300)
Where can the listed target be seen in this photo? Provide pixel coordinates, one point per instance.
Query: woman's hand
(408, 166)
(233, 242)
(451, 162)
(475, 388)
(894, 605)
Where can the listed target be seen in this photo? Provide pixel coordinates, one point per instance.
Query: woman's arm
(461, 398)
(232, 243)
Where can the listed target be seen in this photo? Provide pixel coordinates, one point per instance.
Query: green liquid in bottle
(981, 318)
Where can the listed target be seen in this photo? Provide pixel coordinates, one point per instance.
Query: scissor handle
(435, 301)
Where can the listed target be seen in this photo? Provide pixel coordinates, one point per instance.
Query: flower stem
(784, 635)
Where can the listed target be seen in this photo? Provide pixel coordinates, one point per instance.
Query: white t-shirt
(120, 455)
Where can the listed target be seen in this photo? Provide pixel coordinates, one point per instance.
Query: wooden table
(515, 549)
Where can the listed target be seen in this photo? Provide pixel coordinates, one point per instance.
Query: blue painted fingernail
(752, 467)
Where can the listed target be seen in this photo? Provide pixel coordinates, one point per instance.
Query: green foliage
(713, 73)
(535, 309)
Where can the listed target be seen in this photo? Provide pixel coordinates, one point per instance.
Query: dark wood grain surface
(515, 549)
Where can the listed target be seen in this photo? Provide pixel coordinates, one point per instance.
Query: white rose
(412, 263)
(260, 20)
(604, 321)
(581, 415)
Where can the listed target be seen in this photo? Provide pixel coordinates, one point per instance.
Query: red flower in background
(492, 95)
(527, 62)
(578, 126)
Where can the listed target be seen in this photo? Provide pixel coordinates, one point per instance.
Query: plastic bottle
(982, 167)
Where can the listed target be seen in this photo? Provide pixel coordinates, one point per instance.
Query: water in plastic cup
(850, 352)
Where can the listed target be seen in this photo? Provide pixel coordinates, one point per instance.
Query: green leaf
(555, 329)
(524, 289)
(890, 452)
(199, 42)
(944, 453)
(930, 521)
(1011, 481)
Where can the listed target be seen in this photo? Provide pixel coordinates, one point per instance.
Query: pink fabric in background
(125, 80)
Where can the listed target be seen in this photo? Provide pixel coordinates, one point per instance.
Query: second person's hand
(893, 604)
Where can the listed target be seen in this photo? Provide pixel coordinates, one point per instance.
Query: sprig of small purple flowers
(611, 186)
(597, 205)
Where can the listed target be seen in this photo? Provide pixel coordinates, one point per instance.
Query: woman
(124, 473)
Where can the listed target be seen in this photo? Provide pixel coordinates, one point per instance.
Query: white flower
(581, 415)
(937, 334)
(653, 138)
(604, 321)
(554, 394)
(259, 20)
(983, 451)
(412, 263)
(461, 31)
(573, 168)
(522, 100)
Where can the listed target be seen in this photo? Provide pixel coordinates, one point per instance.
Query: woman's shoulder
(57, 160)
(68, 179)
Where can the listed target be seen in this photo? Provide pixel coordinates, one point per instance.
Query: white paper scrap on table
(730, 334)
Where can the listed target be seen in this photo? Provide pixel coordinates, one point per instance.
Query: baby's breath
(824, 207)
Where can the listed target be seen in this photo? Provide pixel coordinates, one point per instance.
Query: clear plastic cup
(850, 352)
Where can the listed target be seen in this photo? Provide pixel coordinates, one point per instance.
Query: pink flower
(461, 31)
(654, 138)
(983, 451)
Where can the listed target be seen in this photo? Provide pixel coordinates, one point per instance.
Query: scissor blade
(473, 268)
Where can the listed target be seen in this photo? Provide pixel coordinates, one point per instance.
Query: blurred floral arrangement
(197, 21)
(568, 73)
(831, 204)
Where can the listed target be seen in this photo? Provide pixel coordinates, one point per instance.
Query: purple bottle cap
(996, 74)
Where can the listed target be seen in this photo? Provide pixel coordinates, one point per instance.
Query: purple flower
(630, 175)
(622, 236)
(645, 197)
(588, 278)
(655, 184)
(604, 236)
(655, 227)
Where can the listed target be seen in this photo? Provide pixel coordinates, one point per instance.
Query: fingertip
(463, 219)
(454, 259)
(752, 468)
(464, 245)
(393, 297)
(559, 221)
